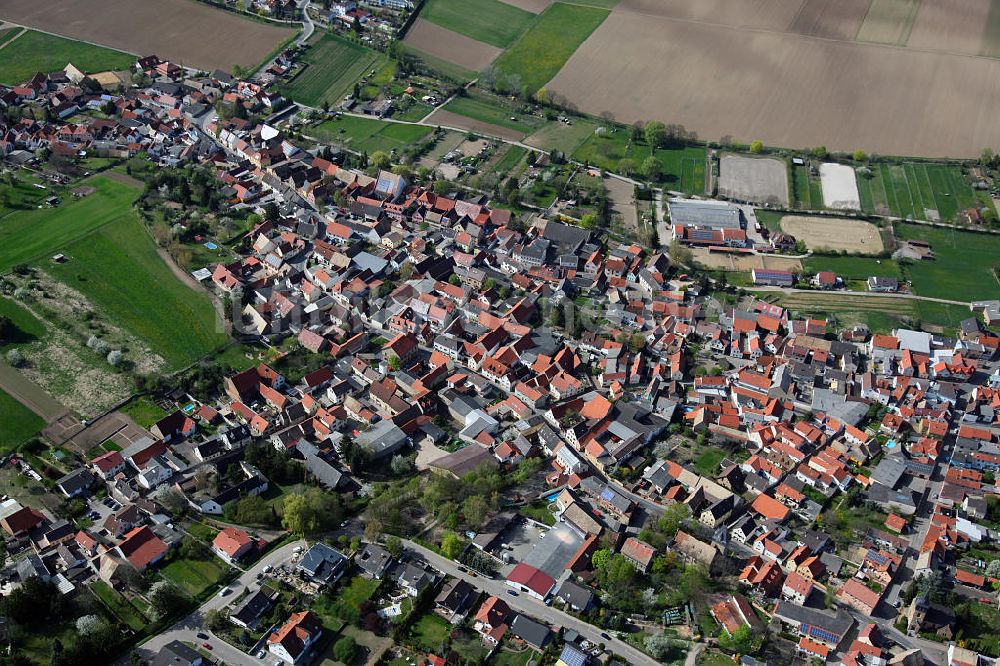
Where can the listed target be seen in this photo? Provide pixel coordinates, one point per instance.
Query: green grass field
(333, 66)
(118, 605)
(806, 191)
(17, 422)
(963, 266)
(506, 165)
(563, 137)
(194, 576)
(144, 411)
(369, 134)
(30, 235)
(28, 326)
(493, 111)
(853, 268)
(448, 70)
(683, 167)
(35, 52)
(119, 270)
(908, 190)
(489, 21)
(7, 33)
(889, 21)
(550, 41)
(879, 313)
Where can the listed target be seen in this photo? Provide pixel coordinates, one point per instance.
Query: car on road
(224, 591)
(463, 569)
(605, 636)
(512, 593)
(985, 600)
(201, 635)
(267, 569)
(261, 654)
(297, 550)
(207, 645)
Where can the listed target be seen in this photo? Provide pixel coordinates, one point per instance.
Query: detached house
(292, 642)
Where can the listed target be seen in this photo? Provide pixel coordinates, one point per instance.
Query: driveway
(187, 629)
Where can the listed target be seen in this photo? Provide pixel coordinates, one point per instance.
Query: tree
(679, 254)
(400, 465)
(636, 132)
(556, 317)
(756, 147)
(394, 363)
(600, 558)
(15, 358)
(297, 517)
(475, 509)
(215, 620)
(656, 133)
(652, 168)
(380, 159)
(452, 546)
(660, 646)
(673, 517)
(238, 72)
(166, 599)
(345, 649)
(588, 221)
(394, 545)
(860, 156)
(626, 166)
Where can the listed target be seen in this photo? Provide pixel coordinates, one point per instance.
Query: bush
(345, 650)
(15, 358)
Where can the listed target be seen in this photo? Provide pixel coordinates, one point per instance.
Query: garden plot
(840, 186)
(757, 180)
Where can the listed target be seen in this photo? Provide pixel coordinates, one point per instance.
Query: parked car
(207, 645)
(512, 593)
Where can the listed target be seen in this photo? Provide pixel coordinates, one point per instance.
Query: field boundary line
(74, 39)
(11, 40)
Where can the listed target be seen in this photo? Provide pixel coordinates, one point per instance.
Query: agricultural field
(917, 190)
(853, 268)
(507, 164)
(489, 21)
(437, 63)
(758, 180)
(188, 33)
(879, 313)
(17, 422)
(446, 45)
(889, 22)
(119, 271)
(834, 234)
(332, 66)
(34, 52)
(682, 167)
(493, 111)
(963, 266)
(369, 134)
(548, 44)
(7, 33)
(680, 45)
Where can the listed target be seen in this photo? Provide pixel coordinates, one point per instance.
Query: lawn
(337, 607)
(807, 192)
(879, 313)
(853, 268)
(202, 532)
(563, 137)
(543, 50)
(495, 112)
(28, 326)
(333, 66)
(368, 134)
(35, 52)
(194, 576)
(910, 189)
(430, 632)
(22, 194)
(143, 411)
(29, 235)
(682, 167)
(118, 605)
(489, 21)
(17, 422)
(506, 165)
(963, 266)
(707, 463)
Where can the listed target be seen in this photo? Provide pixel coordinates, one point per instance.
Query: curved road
(186, 630)
(307, 24)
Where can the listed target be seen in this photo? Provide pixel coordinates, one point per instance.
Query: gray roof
(889, 471)
(373, 559)
(709, 214)
(575, 594)
(322, 562)
(384, 438)
(176, 653)
(530, 631)
(253, 607)
(839, 624)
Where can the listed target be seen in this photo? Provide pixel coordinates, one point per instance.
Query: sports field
(923, 191)
(368, 134)
(186, 32)
(554, 36)
(34, 52)
(836, 234)
(333, 66)
(30, 235)
(489, 21)
(17, 422)
(963, 266)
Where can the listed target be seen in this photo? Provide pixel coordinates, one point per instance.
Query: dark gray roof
(839, 624)
(322, 562)
(575, 594)
(176, 653)
(253, 607)
(531, 632)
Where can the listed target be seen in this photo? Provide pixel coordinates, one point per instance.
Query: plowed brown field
(451, 46)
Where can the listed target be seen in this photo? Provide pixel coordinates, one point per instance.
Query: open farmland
(952, 25)
(549, 42)
(17, 422)
(560, 136)
(489, 21)
(840, 186)
(833, 19)
(333, 66)
(962, 269)
(918, 190)
(758, 180)
(369, 134)
(889, 21)
(447, 118)
(184, 31)
(34, 51)
(449, 45)
(832, 233)
(781, 88)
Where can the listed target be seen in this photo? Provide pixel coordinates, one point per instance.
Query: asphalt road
(186, 630)
(533, 607)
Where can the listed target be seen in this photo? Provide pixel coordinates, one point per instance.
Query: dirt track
(451, 46)
(29, 394)
(183, 31)
(449, 119)
(831, 233)
(784, 89)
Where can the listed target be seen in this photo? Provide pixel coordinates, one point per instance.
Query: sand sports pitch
(759, 180)
(833, 233)
(736, 67)
(451, 46)
(840, 186)
(725, 261)
(183, 31)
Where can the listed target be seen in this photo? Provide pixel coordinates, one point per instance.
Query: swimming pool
(211, 246)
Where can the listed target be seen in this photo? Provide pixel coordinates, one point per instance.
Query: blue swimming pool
(211, 246)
